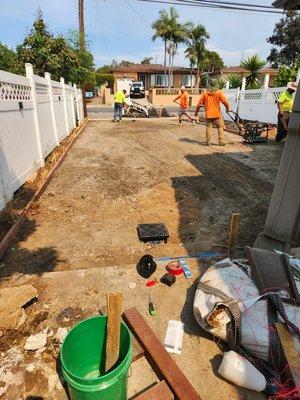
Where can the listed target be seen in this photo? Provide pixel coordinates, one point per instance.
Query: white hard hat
(182, 88)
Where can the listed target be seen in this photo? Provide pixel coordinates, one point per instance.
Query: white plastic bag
(212, 312)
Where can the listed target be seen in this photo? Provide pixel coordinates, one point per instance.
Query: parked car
(89, 95)
(137, 89)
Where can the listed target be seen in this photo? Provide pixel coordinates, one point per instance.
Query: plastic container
(241, 372)
(83, 361)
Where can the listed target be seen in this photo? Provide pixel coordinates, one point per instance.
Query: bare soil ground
(81, 240)
(117, 176)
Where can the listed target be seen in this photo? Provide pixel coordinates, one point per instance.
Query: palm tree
(196, 39)
(177, 35)
(221, 83)
(235, 81)
(191, 55)
(168, 28)
(253, 64)
(161, 27)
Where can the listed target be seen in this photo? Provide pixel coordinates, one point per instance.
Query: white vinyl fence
(254, 105)
(36, 114)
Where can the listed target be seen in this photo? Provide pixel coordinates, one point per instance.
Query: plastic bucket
(82, 359)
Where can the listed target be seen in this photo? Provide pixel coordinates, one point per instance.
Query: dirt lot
(81, 240)
(118, 176)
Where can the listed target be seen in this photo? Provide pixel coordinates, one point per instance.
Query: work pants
(118, 108)
(282, 124)
(220, 125)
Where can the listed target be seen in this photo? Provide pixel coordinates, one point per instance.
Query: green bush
(103, 79)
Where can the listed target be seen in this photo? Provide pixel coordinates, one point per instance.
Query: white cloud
(232, 56)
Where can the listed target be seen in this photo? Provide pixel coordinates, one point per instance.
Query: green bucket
(82, 359)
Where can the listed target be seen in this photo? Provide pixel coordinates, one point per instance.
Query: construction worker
(285, 106)
(184, 105)
(120, 101)
(211, 100)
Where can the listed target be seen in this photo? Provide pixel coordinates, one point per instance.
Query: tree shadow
(25, 261)
(17, 259)
(192, 141)
(34, 398)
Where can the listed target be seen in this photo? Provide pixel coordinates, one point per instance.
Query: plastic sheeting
(213, 315)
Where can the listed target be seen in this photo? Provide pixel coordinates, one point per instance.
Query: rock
(23, 318)
(61, 334)
(35, 342)
(132, 285)
(11, 301)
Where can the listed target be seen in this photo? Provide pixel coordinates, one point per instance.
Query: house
(287, 4)
(153, 75)
(225, 72)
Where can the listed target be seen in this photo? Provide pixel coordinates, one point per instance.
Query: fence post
(241, 94)
(76, 104)
(264, 97)
(62, 81)
(48, 77)
(227, 85)
(237, 100)
(266, 81)
(298, 76)
(72, 102)
(244, 83)
(30, 76)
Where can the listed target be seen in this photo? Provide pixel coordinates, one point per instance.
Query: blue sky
(116, 31)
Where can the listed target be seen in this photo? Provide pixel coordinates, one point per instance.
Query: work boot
(208, 143)
(222, 144)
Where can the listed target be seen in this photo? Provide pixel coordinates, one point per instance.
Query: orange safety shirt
(211, 102)
(184, 100)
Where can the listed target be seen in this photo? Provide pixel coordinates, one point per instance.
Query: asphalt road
(104, 112)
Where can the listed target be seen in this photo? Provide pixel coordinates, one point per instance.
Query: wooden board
(290, 351)
(159, 358)
(234, 233)
(114, 311)
(160, 391)
(137, 350)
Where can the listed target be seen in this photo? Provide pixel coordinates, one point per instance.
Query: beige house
(153, 75)
(226, 71)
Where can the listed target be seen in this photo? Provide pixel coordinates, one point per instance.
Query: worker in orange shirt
(184, 105)
(211, 100)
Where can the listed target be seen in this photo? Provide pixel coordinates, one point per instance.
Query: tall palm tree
(191, 55)
(168, 28)
(178, 35)
(253, 64)
(196, 39)
(161, 27)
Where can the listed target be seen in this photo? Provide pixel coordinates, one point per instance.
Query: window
(187, 81)
(159, 80)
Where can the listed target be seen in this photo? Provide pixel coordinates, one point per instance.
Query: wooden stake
(290, 351)
(114, 311)
(234, 233)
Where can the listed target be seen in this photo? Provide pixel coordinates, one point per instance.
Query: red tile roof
(241, 70)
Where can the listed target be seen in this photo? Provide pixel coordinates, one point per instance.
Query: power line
(137, 13)
(231, 3)
(197, 3)
(227, 6)
(101, 26)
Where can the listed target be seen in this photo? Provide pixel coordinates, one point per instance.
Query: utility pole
(82, 47)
